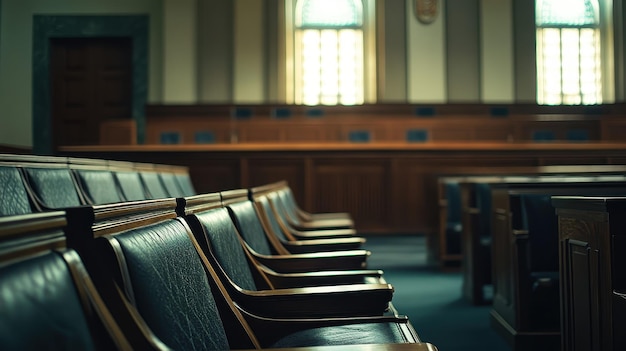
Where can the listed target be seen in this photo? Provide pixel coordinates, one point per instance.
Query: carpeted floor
(431, 298)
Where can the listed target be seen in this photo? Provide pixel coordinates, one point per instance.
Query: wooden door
(91, 82)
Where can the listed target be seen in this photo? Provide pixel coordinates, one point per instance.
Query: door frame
(46, 27)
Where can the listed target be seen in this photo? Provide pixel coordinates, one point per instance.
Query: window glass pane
(329, 13)
(568, 52)
(566, 12)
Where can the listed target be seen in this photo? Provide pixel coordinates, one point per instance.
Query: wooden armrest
(307, 216)
(321, 261)
(318, 245)
(323, 234)
(318, 302)
(322, 224)
(422, 346)
(275, 329)
(309, 279)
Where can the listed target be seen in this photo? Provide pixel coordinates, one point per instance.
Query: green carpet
(431, 298)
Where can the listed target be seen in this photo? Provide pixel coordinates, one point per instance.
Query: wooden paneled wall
(201, 124)
(387, 187)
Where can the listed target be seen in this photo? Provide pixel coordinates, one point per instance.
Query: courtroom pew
(310, 255)
(47, 299)
(446, 247)
(525, 261)
(592, 242)
(476, 207)
(155, 263)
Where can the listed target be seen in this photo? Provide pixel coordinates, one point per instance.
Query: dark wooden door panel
(91, 83)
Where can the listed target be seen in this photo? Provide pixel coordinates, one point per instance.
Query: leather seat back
(53, 187)
(226, 247)
(171, 184)
(131, 186)
(153, 185)
(185, 183)
(247, 222)
(165, 279)
(99, 186)
(14, 199)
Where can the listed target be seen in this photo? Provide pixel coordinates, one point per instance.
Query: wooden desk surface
(347, 146)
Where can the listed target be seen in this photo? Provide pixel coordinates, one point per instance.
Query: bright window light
(329, 65)
(568, 52)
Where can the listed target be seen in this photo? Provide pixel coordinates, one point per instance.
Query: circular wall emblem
(426, 10)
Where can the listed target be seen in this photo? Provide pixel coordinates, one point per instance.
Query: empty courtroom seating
(292, 205)
(592, 245)
(267, 205)
(175, 180)
(295, 241)
(53, 186)
(477, 212)
(261, 244)
(164, 274)
(294, 270)
(98, 185)
(47, 300)
(525, 259)
(216, 231)
(300, 221)
(130, 185)
(453, 226)
(185, 183)
(151, 181)
(14, 198)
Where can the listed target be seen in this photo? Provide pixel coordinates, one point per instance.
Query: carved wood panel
(359, 187)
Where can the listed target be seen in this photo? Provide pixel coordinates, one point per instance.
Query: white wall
(16, 24)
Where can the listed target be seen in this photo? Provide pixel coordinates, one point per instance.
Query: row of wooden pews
(510, 242)
(187, 271)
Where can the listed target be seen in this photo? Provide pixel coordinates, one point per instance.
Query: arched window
(328, 52)
(568, 52)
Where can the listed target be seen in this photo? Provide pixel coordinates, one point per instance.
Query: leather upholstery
(542, 224)
(249, 226)
(184, 181)
(99, 186)
(54, 187)
(40, 307)
(540, 220)
(131, 186)
(273, 222)
(171, 185)
(364, 333)
(153, 185)
(171, 288)
(483, 199)
(453, 221)
(13, 196)
(226, 247)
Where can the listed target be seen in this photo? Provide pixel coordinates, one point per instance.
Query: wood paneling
(388, 187)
